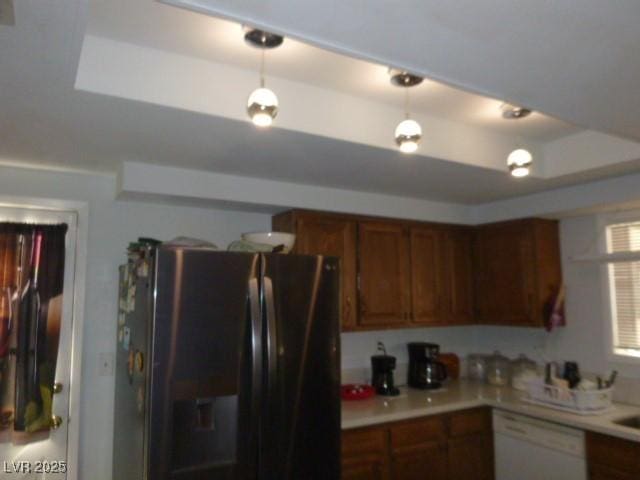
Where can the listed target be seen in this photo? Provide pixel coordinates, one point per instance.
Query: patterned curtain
(32, 277)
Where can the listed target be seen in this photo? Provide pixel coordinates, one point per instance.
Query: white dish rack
(581, 402)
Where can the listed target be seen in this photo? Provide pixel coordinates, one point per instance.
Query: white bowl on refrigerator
(273, 239)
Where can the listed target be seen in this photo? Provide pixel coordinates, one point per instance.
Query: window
(624, 282)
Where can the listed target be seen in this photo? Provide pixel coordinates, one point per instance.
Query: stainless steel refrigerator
(227, 367)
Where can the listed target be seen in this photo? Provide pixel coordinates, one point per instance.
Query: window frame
(608, 305)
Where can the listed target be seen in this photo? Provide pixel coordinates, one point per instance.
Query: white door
(44, 455)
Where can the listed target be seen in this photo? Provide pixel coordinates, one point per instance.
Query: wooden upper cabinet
(319, 234)
(402, 273)
(458, 275)
(383, 274)
(517, 271)
(427, 276)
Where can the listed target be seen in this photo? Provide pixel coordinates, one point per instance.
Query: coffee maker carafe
(425, 371)
(382, 367)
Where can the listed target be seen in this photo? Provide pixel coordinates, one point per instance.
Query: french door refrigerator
(227, 367)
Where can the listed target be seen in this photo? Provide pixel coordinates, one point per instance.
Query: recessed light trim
(402, 78)
(261, 39)
(514, 112)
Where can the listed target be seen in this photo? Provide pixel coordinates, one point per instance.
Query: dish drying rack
(581, 402)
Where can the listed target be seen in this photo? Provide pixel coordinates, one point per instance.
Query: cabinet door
(505, 275)
(428, 461)
(427, 278)
(364, 468)
(383, 274)
(458, 269)
(598, 472)
(319, 235)
(365, 454)
(471, 456)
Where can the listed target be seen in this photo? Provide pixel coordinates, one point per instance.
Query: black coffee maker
(425, 371)
(382, 367)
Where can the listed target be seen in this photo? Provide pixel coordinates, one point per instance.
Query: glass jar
(498, 370)
(477, 367)
(523, 370)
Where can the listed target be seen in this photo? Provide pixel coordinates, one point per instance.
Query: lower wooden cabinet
(428, 460)
(456, 446)
(598, 472)
(611, 458)
(471, 456)
(365, 454)
(364, 468)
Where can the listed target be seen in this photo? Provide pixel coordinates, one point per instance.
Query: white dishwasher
(531, 449)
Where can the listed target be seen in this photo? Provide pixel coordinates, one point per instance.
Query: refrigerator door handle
(270, 337)
(255, 325)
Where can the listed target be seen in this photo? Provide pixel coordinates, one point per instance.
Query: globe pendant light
(262, 104)
(408, 132)
(519, 162)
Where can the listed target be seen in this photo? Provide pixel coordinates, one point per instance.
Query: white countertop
(462, 394)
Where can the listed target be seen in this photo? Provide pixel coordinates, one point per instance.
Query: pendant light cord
(406, 103)
(262, 68)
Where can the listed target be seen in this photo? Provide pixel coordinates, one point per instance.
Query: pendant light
(408, 132)
(519, 162)
(262, 104)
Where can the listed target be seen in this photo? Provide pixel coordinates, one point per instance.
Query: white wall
(112, 224)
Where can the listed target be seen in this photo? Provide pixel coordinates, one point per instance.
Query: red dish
(356, 391)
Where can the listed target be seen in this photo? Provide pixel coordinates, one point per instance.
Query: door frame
(78, 214)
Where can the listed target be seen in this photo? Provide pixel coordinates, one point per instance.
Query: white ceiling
(45, 121)
(152, 24)
(574, 59)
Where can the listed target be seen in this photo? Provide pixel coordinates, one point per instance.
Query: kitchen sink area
(631, 422)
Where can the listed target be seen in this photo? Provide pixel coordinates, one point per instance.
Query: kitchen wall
(582, 340)
(112, 224)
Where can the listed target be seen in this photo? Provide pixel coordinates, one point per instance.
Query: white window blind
(624, 278)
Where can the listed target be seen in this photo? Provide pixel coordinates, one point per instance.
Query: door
(427, 287)
(206, 366)
(383, 270)
(321, 235)
(301, 424)
(505, 273)
(46, 446)
(459, 276)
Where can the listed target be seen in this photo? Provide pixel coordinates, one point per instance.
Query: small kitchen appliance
(425, 371)
(382, 367)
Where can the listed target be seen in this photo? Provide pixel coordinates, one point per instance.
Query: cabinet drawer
(416, 432)
(363, 442)
(469, 422)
